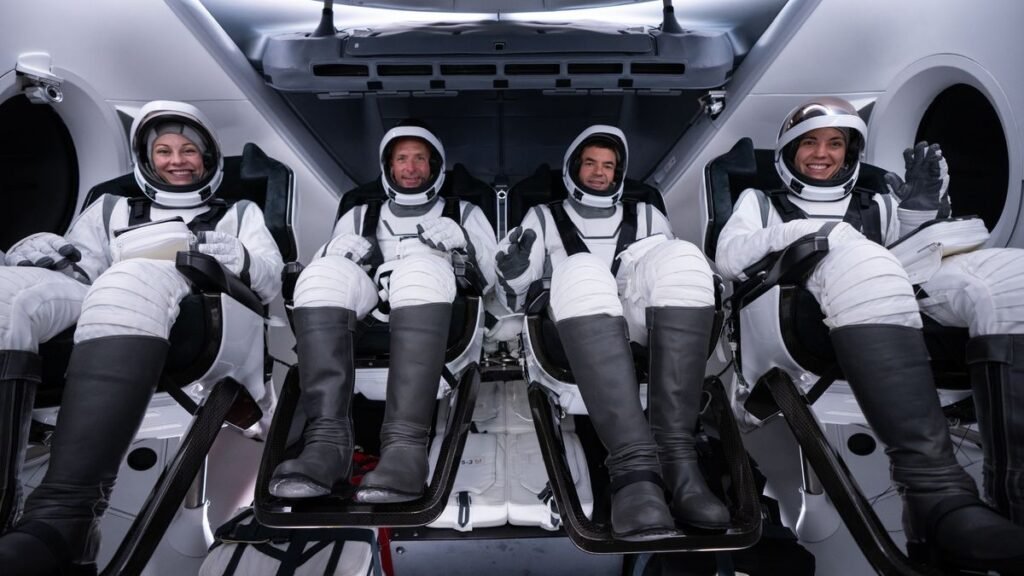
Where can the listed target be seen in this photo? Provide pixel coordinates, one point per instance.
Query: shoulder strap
(138, 210)
(566, 229)
(785, 207)
(864, 214)
(627, 232)
(452, 209)
(207, 221)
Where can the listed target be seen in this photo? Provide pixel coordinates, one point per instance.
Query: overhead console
(439, 58)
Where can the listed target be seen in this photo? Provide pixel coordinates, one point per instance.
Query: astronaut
(618, 274)
(875, 320)
(113, 273)
(411, 250)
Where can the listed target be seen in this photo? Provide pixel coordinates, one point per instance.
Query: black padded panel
(546, 185)
(253, 176)
(458, 183)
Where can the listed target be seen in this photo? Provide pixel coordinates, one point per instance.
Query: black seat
(805, 338)
(547, 370)
(462, 373)
(802, 329)
(196, 340)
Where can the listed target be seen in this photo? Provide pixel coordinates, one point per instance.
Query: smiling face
(410, 163)
(177, 160)
(597, 167)
(820, 153)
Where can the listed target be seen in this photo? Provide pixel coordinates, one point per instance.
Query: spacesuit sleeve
(90, 234)
(265, 262)
(744, 240)
(481, 238)
(910, 220)
(349, 223)
(659, 224)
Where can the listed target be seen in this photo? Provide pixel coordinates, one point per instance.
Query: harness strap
(139, 213)
(574, 244)
(862, 212)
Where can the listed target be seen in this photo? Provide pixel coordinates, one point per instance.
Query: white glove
(227, 249)
(442, 234)
(347, 245)
(43, 250)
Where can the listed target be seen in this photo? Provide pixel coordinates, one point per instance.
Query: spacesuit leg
(677, 287)
(422, 290)
(888, 369)
(588, 313)
(984, 292)
(331, 293)
(35, 305)
(869, 304)
(19, 376)
(121, 345)
(997, 378)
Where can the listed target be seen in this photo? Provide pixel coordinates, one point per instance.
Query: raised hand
(927, 177)
(515, 261)
(43, 250)
(442, 234)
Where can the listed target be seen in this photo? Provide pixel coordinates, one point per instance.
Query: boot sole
(372, 495)
(647, 535)
(295, 488)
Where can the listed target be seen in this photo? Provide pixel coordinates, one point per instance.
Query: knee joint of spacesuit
(675, 274)
(863, 283)
(421, 279)
(583, 285)
(335, 281)
(134, 297)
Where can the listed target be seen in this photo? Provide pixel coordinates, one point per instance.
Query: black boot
(327, 377)
(997, 377)
(110, 382)
(678, 350)
(419, 336)
(945, 521)
(19, 376)
(597, 347)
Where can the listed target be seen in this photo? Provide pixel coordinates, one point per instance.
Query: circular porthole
(38, 171)
(957, 102)
(964, 122)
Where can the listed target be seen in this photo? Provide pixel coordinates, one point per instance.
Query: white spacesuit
(114, 273)
(618, 274)
(870, 306)
(408, 240)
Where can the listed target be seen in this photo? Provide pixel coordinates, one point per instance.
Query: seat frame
(553, 394)
(771, 295)
(458, 386)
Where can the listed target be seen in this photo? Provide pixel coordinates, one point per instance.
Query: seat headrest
(458, 184)
(742, 167)
(546, 185)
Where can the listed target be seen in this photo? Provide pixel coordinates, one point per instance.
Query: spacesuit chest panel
(858, 209)
(392, 229)
(603, 237)
(200, 219)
